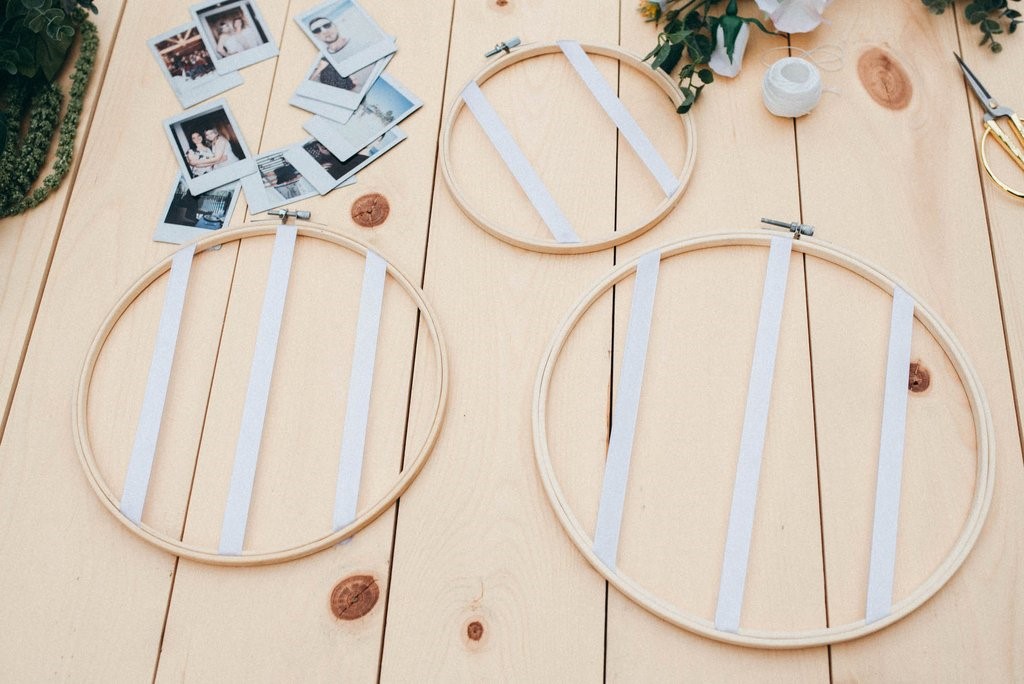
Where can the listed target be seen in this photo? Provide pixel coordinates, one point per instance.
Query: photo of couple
(209, 148)
(234, 33)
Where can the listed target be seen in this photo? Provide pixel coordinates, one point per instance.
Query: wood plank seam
(85, 126)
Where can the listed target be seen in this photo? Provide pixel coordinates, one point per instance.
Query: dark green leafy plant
(690, 34)
(35, 38)
(992, 17)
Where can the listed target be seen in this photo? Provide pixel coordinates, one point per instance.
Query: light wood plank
(27, 241)
(895, 197)
(477, 541)
(295, 481)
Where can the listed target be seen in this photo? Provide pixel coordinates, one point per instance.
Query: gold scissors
(993, 112)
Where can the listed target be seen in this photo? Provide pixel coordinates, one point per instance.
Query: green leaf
(674, 56)
(730, 26)
(706, 76)
(50, 55)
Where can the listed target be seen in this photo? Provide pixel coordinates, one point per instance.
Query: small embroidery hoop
(984, 433)
(179, 548)
(657, 76)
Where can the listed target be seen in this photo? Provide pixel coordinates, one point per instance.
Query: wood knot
(354, 597)
(920, 378)
(475, 630)
(370, 210)
(885, 79)
(500, 3)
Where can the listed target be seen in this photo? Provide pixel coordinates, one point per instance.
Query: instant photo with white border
(213, 116)
(362, 79)
(328, 111)
(261, 197)
(191, 90)
(324, 181)
(206, 210)
(254, 43)
(345, 20)
(386, 105)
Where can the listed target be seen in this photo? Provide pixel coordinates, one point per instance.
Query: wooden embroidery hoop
(658, 77)
(179, 548)
(984, 480)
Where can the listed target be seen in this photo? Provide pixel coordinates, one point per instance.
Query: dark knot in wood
(885, 79)
(920, 378)
(475, 630)
(354, 597)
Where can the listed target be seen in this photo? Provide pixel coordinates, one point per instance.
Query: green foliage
(35, 35)
(30, 108)
(992, 17)
(689, 35)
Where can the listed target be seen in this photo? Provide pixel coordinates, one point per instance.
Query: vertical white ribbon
(518, 164)
(140, 465)
(624, 413)
(755, 425)
(254, 410)
(882, 567)
(360, 386)
(618, 113)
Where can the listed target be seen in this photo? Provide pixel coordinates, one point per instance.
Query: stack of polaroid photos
(201, 59)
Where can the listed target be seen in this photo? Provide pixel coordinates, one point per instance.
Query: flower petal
(798, 16)
(720, 62)
(768, 6)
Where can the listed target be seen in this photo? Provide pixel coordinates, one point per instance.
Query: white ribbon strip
(254, 410)
(624, 413)
(755, 424)
(518, 164)
(360, 385)
(140, 465)
(882, 567)
(625, 122)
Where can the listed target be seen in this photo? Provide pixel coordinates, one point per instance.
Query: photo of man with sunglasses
(325, 30)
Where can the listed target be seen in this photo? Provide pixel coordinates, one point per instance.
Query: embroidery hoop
(984, 434)
(179, 548)
(552, 246)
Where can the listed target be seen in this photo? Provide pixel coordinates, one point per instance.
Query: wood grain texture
(27, 241)
(920, 214)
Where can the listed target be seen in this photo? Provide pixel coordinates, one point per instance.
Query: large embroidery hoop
(984, 435)
(412, 466)
(553, 246)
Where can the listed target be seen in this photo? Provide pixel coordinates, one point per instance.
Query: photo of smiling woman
(208, 146)
(234, 33)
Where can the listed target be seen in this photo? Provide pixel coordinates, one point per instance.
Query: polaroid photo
(234, 32)
(324, 83)
(275, 183)
(325, 171)
(386, 104)
(328, 111)
(188, 217)
(188, 67)
(208, 145)
(346, 35)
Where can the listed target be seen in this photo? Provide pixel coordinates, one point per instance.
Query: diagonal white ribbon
(254, 410)
(140, 465)
(624, 413)
(360, 386)
(625, 122)
(518, 164)
(755, 425)
(882, 565)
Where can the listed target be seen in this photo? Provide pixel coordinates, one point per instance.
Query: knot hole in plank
(354, 597)
(919, 379)
(885, 79)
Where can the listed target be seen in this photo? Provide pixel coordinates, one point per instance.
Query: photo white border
(179, 235)
(242, 59)
(256, 195)
(339, 97)
(380, 48)
(215, 177)
(323, 181)
(329, 132)
(217, 83)
(328, 111)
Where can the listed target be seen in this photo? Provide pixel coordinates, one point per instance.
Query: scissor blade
(979, 90)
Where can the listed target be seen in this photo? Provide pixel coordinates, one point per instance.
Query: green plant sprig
(992, 17)
(39, 102)
(690, 35)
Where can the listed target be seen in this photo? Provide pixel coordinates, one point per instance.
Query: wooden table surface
(475, 578)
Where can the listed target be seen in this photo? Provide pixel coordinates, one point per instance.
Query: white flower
(720, 62)
(794, 16)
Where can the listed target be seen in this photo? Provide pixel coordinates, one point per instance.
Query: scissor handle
(1003, 140)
